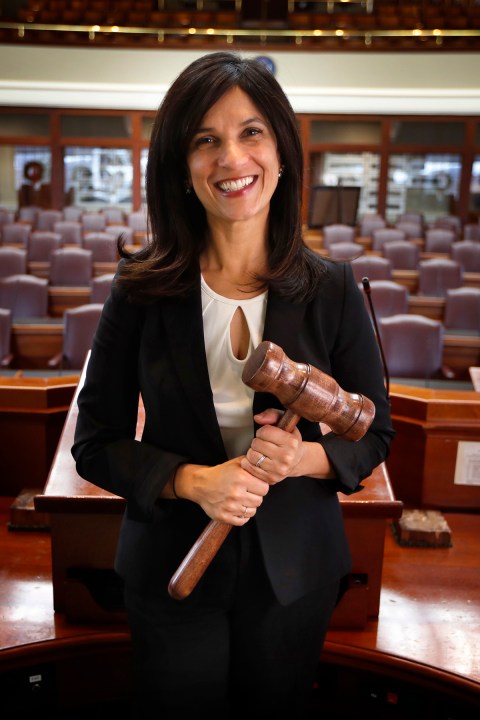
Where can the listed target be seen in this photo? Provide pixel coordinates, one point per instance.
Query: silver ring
(260, 460)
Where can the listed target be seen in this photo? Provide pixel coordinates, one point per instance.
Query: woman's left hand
(274, 453)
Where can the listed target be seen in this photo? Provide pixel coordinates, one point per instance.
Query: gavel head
(308, 392)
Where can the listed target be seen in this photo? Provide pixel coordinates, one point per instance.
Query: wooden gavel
(305, 392)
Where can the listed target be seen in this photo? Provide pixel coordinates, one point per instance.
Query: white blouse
(232, 398)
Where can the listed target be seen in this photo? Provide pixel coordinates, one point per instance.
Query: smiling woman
(234, 168)
(227, 268)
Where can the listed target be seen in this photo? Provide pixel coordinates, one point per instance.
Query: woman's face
(233, 160)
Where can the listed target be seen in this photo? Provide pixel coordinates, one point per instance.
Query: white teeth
(233, 185)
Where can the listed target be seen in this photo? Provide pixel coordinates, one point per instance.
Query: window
(423, 183)
(97, 177)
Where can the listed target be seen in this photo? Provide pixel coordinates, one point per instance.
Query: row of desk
(34, 342)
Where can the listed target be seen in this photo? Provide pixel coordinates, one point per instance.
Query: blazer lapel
(182, 319)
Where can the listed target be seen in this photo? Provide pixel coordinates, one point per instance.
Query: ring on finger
(260, 460)
(244, 511)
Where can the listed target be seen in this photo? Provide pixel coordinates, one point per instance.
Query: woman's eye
(251, 132)
(203, 141)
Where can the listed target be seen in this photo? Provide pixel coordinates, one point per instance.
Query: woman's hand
(276, 454)
(226, 492)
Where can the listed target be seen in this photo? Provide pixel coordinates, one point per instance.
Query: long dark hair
(169, 263)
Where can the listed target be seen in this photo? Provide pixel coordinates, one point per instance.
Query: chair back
(46, 219)
(124, 230)
(114, 215)
(5, 337)
(345, 250)
(102, 245)
(71, 267)
(438, 275)
(41, 244)
(412, 230)
(439, 240)
(93, 222)
(70, 231)
(449, 222)
(6, 216)
(384, 235)
(137, 220)
(13, 261)
(337, 232)
(373, 267)
(413, 217)
(72, 213)
(370, 223)
(467, 253)
(471, 231)
(462, 309)
(100, 287)
(26, 296)
(403, 254)
(28, 214)
(387, 297)
(16, 233)
(79, 328)
(412, 345)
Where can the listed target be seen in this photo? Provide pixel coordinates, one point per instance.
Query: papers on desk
(475, 377)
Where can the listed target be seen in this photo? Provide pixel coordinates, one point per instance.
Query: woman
(225, 268)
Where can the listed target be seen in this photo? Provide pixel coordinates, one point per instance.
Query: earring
(188, 189)
(280, 172)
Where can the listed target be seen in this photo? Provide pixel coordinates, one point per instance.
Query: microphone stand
(368, 293)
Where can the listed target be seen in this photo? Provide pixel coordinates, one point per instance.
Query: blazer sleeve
(105, 449)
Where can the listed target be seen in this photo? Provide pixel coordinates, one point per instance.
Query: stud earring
(188, 189)
(280, 172)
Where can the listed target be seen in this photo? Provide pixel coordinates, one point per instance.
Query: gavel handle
(201, 554)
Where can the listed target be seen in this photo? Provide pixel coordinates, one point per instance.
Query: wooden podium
(85, 522)
(33, 411)
(437, 431)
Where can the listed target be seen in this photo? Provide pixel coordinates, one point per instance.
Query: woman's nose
(231, 153)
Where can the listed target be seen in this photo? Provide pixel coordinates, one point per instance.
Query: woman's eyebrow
(248, 121)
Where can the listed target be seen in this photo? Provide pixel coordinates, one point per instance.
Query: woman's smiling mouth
(235, 185)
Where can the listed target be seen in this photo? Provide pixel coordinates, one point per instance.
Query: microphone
(368, 293)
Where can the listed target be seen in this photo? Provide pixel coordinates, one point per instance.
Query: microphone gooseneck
(368, 293)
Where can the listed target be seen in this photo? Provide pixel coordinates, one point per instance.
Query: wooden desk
(34, 342)
(461, 351)
(409, 278)
(429, 424)
(426, 634)
(431, 307)
(32, 415)
(64, 298)
(85, 522)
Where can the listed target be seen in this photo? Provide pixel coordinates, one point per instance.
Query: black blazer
(158, 350)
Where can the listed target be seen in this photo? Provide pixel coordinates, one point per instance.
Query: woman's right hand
(226, 492)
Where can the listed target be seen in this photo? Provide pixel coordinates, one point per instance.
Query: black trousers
(229, 649)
